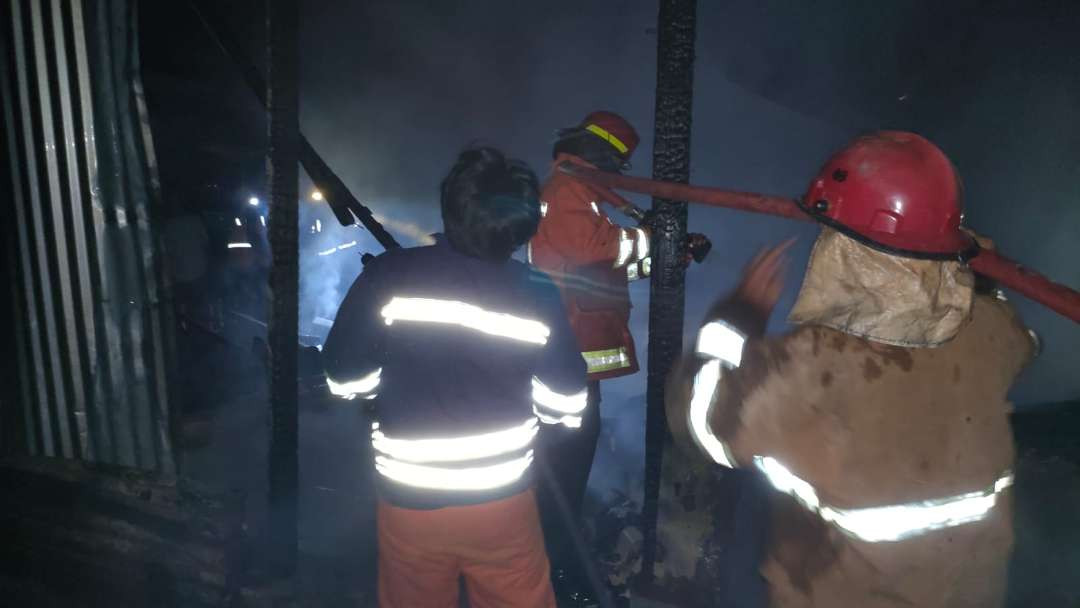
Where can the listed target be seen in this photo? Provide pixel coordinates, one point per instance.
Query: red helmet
(614, 129)
(894, 191)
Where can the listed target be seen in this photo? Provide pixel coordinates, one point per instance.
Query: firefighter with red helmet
(881, 421)
(592, 260)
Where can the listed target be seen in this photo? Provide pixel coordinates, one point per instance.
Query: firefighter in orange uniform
(592, 260)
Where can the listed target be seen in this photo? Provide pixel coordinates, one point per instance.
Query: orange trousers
(497, 546)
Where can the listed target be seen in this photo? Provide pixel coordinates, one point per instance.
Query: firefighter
(592, 260)
(881, 421)
(465, 353)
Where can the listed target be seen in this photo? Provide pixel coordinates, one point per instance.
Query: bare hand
(763, 278)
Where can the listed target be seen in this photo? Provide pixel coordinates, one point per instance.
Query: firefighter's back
(891, 440)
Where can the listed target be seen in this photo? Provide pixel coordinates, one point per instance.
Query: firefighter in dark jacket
(466, 353)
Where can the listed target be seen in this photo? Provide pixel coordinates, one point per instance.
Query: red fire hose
(1055, 296)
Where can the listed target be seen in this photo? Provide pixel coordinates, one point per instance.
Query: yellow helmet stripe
(604, 134)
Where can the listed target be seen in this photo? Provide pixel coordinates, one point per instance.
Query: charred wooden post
(671, 162)
(283, 102)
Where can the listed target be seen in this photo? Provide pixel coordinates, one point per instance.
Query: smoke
(421, 235)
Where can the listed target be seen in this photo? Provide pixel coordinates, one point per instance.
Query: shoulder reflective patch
(349, 389)
(454, 478)
(721, 341)
(888, 523)
(455, 449)
(606, 360)
(426, 310)
(700, 406)
(626, 248)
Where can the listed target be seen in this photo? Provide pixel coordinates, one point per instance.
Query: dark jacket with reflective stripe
(445, 378)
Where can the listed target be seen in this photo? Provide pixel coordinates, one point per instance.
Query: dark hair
(588, 146)
(490, 204)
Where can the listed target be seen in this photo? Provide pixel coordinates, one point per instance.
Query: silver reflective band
(543, 208)
(239, 246)
(721, 341)
(606, 360)
(454, 478)
(893, 522)
(451, 312)
(646, 266)
(351, 388)
(568, 420)
(642, 244)
(700, 405)
(563, 404)
(595, 209)
(632, 272)
(626, 248)
(452, 449)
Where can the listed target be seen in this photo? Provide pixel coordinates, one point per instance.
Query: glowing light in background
(239, 245)
(253, 201)
(316, 195)
(262, 218)
(237, 220)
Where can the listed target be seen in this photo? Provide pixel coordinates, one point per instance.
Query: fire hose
(989, 263)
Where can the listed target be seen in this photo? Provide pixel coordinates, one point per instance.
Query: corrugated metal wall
(88, 320)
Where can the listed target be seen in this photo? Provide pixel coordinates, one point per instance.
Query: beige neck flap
(885, 298)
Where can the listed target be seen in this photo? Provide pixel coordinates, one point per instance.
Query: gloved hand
(697, 247)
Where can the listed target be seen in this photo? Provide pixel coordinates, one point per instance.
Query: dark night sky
(391, 90)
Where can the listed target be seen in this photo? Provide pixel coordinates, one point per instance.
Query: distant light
(253, 201)
(239, 245)
(318, 225)
(262, 218)
(238, 222)
(316, 195)
(346, 245)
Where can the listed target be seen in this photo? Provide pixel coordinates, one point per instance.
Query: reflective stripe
(454, 478)
(642, 244)
(595, 208)
(239, 245)
(528, 252)
(563, 404)
(456, 449)
(646, 267)
(700, 405)
(351, 388)
(721, 341)
(568, 420)
(608, 137)
(632, 272)
(606, 360)
(543, 208)
(465, 315)
(626, 248)
(893, 522)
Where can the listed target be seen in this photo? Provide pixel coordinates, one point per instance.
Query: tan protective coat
(868, 425)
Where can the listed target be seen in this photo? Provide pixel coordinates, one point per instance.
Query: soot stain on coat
(760, 360)
(871, 370)
(800, 542)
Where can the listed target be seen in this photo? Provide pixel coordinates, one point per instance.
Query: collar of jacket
(563, 157)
